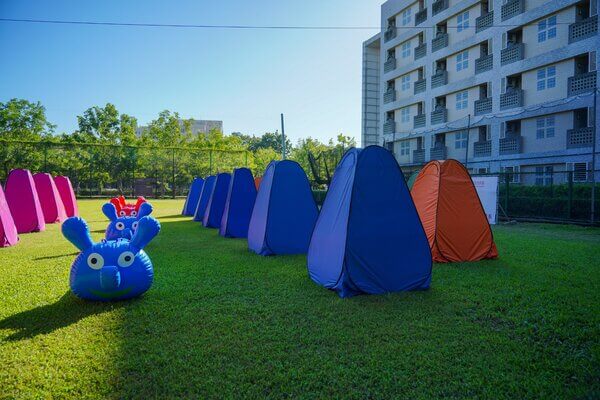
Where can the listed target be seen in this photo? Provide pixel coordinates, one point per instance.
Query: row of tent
(29, 202)
(372, 235)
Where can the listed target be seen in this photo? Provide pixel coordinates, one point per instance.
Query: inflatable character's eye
(121, 213)
(134, 225)
(126, 259)
(95, 261)
(133, 213)
(120, 226)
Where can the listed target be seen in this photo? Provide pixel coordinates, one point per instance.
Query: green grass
(221, 322)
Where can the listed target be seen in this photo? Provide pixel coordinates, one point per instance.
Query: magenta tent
(67, 195)
(8, 230)
(23, 201)
(52, 205)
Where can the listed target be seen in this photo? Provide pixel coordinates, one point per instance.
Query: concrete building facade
(504, 85)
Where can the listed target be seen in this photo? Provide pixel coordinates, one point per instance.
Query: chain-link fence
(106, 170)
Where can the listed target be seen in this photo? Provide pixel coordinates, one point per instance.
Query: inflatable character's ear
(145, 209)
(115, 202)
(140, 200)
(76, 230)
(122, 201)
(110, 211)
(147, 229)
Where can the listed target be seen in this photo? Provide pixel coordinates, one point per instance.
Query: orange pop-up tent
(451, 213)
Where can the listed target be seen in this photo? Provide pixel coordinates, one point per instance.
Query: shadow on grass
(56, 256)
(48, 318)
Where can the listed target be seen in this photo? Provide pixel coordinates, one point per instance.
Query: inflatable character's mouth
(110, 295)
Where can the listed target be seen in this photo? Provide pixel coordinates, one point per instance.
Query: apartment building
(505, 85)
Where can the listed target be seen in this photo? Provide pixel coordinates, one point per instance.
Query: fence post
(133, 171)
(173, 173)
(570, 195)
(246, 162)
(45, 156)
(506, 192)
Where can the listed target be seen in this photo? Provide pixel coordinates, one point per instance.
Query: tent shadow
(56, 256)
(48, 318)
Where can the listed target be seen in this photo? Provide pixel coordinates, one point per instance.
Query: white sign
(487, 189)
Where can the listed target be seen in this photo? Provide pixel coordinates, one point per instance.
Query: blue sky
(244, 77)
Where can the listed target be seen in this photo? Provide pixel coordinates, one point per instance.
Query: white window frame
(404, 148)
(544, 175)
(460, 140)
(515, 172)
(406, 49)
(462, 60)
(405, 82)
(545, 127)
(546, 78)
(462, 100)
(462, 21)
(405, 115)
(407, 16)
(579, 176)
(546, 29)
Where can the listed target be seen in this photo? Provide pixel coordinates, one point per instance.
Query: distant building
(199, 126)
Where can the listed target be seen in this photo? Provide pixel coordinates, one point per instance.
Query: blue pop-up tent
(191, 201)
(238, 207)
(216, 203)
(369, 238)
(207, 189)
(285, 211)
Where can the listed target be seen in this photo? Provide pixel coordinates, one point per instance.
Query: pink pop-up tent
(67, 195)
(52, 205)
(8, 230)
(23, 201)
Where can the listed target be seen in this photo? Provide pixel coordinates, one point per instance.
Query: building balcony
(514, 52)
(510, 145)
(389, 127)
(484, 63)
(421, 51)
(511, 99)
(419, 156)
(483, 106)
(582, 137)
(438, 6)
(583, 29)
(389, 96)
(389, 65)
(582, 83)
(389, 34)
(483, 22)
(483, 148)
(438, 79)
(439, 42)
(439, 116)
(512, 8)
(420, 16)
(419, 121)
(420, 86)
(439, 152)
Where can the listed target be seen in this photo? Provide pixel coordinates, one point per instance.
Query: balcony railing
(390, 33)
(389, 96)
(438, 79)
(439, 152)
(419, 156)
(419, 121)
(512, 8)
(582, 137)
(582, 83)
(483, 106)
(511, 99)
(583, 29)
(483, 148)
(485, 21)
(420, 51)
(438, 6)
(514, 52)
(439, 42)
(484, 63)
(389, 65)
(389, 127)
(420, 86)
(510, 145)
(439, 116)
(421, 16)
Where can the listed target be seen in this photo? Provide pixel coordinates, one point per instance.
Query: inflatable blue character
(123, 227)
(110, 269)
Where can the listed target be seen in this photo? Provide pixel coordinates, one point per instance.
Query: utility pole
(592, 214)
(282, 139)
(468, 135)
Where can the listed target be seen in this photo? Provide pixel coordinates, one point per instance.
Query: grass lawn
(221, 322)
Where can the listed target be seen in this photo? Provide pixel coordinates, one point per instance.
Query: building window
(547, 29)
(546, 78)
(543, 175)
(580, 171)
(404, 148)
(545, 127)
(406, 16)
(462, 100)
(405, 115)
(462, 21)
(462, 60)
(405, 82)
(460, 140)
(405, 49)
(511, 174)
